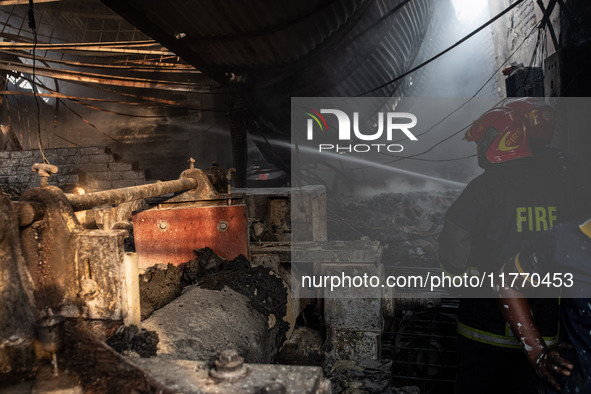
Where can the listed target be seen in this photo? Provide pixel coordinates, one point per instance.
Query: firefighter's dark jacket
(509, 203)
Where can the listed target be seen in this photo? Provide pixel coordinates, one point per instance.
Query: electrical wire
(33, 26)
(89, 123)
(471, 98)
(458, 108)
(465, 38)
(150, 99)
(123, 81)
(414, 156)
(42, 85)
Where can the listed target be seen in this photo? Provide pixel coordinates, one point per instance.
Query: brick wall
(92, 168)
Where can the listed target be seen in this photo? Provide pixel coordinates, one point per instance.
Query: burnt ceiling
(267, 51)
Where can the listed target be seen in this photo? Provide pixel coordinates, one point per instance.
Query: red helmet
(501, 135)
(539, 118)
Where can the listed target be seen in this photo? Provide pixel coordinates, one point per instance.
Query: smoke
(464, 70)
(439, 94)
(401, 185)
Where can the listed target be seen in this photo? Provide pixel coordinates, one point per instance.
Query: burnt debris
(144, 342)
(406, 224)
(159, 285)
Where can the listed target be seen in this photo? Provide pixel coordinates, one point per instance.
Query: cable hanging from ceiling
(540, 42)
(33, 27)
(462, 40)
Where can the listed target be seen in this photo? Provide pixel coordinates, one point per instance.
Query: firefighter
(565, 253)
(574, 172)
(515, 197)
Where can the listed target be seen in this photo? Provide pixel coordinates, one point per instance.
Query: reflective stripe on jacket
(489, 338)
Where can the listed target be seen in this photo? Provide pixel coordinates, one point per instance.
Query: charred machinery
(67, 288)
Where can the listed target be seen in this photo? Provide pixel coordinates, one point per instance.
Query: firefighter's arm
(516, 311)
(462, 241)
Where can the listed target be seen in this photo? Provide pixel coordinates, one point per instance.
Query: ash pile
(406, 224)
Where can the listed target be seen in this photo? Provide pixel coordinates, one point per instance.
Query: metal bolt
(223, 226)
(229, 366)
(163, 226)
(229, 359)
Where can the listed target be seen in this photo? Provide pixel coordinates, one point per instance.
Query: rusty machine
(65, 288)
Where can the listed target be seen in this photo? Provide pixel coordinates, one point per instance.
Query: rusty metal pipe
(116, 196)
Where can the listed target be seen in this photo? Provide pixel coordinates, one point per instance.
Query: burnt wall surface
(91, 168)
(516, 36)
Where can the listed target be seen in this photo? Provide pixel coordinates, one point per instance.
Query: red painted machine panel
(165, 236)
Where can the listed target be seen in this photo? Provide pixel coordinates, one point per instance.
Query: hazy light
(470, 10)
(365, 162)
(23, 84)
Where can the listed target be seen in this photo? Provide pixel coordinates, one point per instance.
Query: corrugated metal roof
(267, 51)
(288, 48)
(320, 47)
(242, 35)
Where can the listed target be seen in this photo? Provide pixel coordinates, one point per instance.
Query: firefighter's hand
(548, 363)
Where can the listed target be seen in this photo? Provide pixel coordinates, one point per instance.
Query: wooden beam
(11, 141)
(153, 67)
(157, 101)
(83, 47)
(74, 76)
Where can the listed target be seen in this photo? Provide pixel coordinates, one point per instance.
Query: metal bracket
(205, 191)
